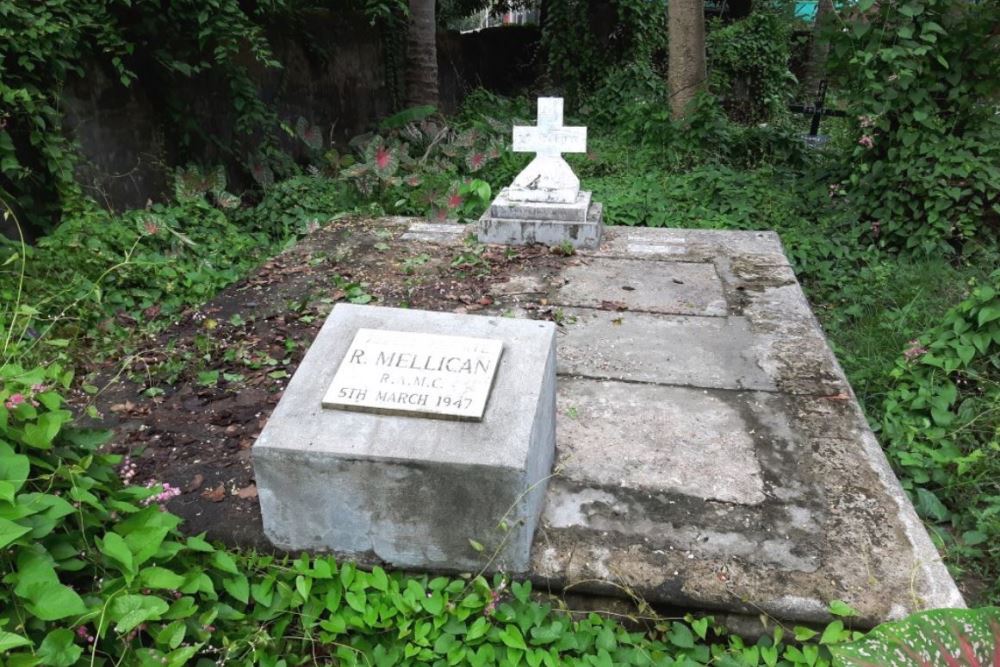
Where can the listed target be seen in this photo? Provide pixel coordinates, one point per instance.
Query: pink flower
(866, 141)
(163, 496)
(39, 388)
(14, 401)
(914, 351)
(454, 200)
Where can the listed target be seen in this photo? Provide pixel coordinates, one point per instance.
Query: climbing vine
(580, 57)
(920, 79)
(44, 46)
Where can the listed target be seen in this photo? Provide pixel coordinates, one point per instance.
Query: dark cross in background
(817, 110)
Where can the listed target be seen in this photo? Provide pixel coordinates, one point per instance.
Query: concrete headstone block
(409, 489)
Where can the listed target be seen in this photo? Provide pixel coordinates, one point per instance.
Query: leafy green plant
(940, 424)
(748, 64)
(96, 571)
(919, 77)
(939, 637)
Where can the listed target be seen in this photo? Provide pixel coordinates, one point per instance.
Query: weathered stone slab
(406, 373)
(693, 245)
(706, 352)
(508, 231)
(801, 517)
(667, 447)
(434, 232)
(684, 288)
(408, 490)
(505, 207)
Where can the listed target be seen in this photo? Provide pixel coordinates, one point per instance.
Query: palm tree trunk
(686, 72)
(421, 55)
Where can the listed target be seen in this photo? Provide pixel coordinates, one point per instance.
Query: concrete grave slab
(406, 489)
(683, 288)
(706, 459)
(705, 352)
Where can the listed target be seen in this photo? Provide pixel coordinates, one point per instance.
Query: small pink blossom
(39, 388)
(866, 141)
(127, 471)
(914, 351)
(14, 401)
(163, 496)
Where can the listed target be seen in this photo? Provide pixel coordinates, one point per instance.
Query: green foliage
(706, 135)
(940, 425)
(919, 76)
(428, 169)
(45, 44)
(95, 568)
(139, 266)
(99, 276)
(748, 65)
(580, 61)
(296, 206)
(940, 637)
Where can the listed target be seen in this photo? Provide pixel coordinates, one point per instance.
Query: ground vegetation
(891, 226)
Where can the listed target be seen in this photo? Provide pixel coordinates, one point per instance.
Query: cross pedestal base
(510, 222)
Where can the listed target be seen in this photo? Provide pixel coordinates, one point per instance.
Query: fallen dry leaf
(195, 483)
(216, 495)
(247, 492)
(613, 305)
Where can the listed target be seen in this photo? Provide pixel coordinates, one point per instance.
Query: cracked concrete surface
(710, 452)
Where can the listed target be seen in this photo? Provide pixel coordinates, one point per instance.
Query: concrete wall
(337, 81)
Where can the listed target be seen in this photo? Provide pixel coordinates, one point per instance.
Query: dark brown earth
(222, 368)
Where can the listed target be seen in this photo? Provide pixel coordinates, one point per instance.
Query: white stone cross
(550, 138)
(548, 178)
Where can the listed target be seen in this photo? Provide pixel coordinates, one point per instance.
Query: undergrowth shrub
(920, 78)
(135, 267)
(748, 65)
(941, 427)
(706, 135)
(297, 205)
(95, 571)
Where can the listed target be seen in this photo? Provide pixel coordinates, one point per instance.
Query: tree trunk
(818, 52)
(687, 71)
(421, 55)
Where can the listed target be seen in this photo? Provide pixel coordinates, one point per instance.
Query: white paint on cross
(548, 178)
(550, 138)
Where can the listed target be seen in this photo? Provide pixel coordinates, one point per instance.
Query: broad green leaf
(128, 611)
(114, 547)
(9, 640)
(10, 531)
(51, 601)
(59, 649)
(512, 637)
(238, 587)
(936, 637)
(160, 577)
(842, 609)
(224, 562)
